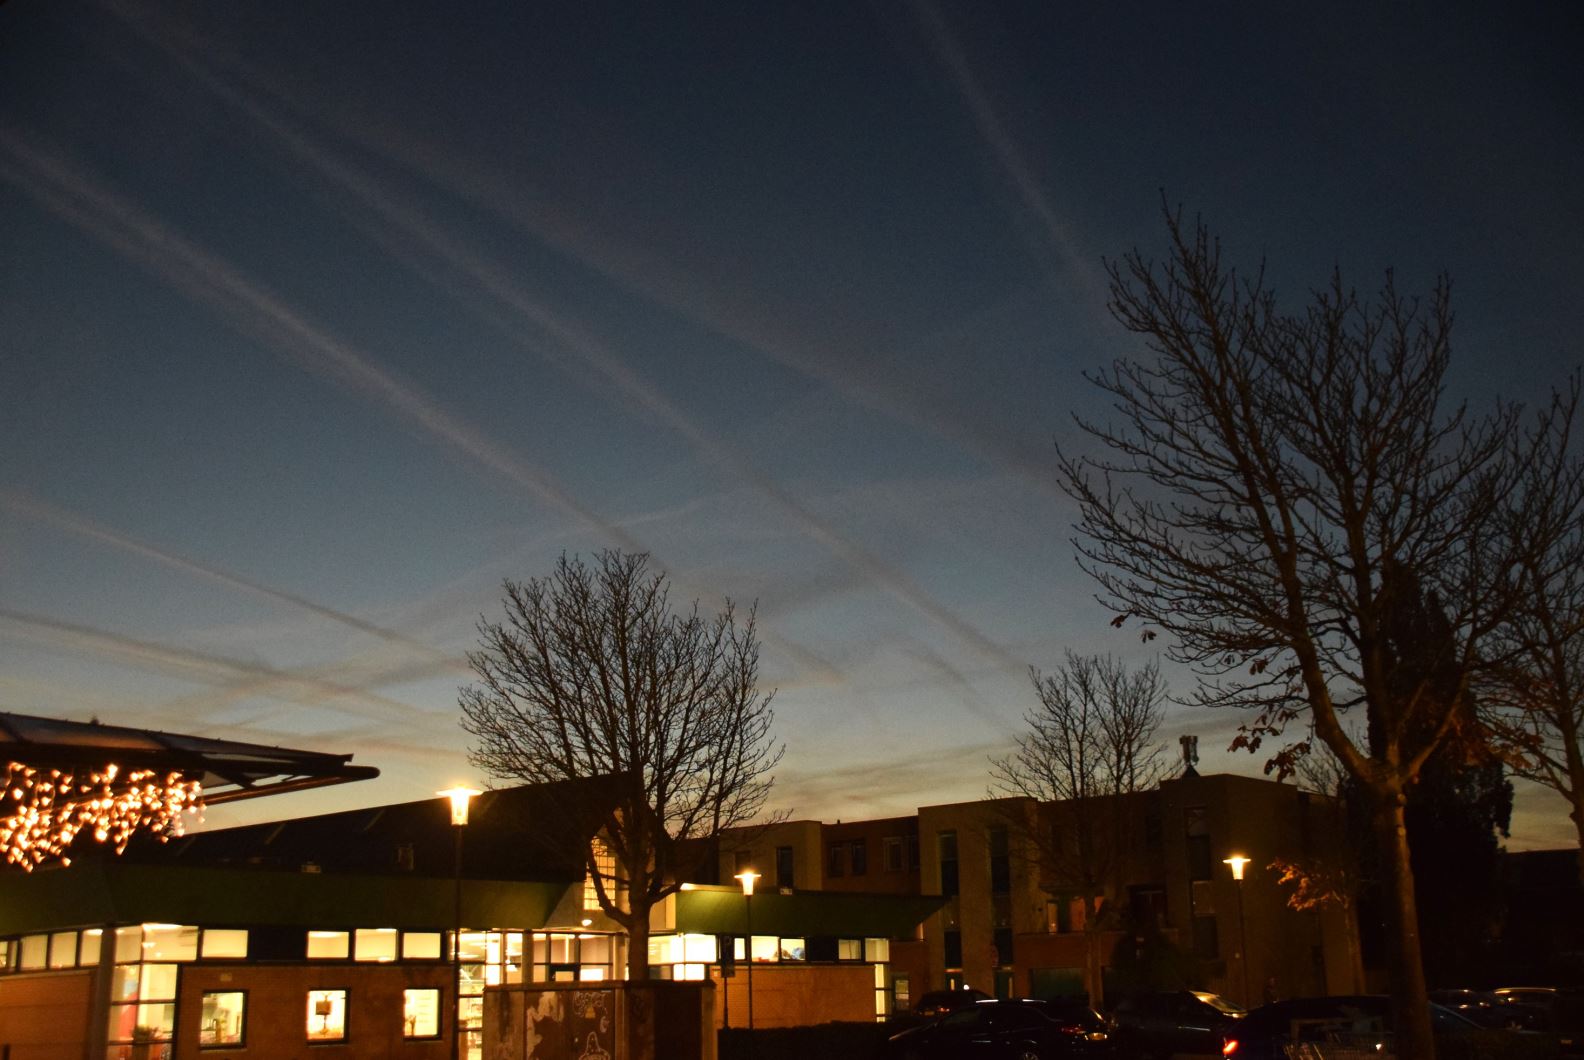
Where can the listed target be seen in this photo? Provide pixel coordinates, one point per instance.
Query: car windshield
(1219, 1003)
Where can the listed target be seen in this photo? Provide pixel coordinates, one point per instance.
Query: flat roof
(92, 894)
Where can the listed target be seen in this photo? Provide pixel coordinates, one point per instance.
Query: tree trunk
(1094, 973)
(1405, 966)
(1350, 925)
(638, 945)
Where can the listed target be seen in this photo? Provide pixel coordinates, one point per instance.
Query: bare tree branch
(1278, 489)
(1089, 745)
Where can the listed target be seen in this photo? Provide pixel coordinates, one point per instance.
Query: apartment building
(1012, 923)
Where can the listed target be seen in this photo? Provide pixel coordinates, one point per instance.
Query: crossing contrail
(254, 310)
(75, 524)
(179, 662)
(612, 369)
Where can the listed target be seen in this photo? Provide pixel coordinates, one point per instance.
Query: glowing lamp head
(747, 878)
(1237, 861)
(460, 797)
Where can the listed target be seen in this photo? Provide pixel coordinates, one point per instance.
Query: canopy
(227, 769)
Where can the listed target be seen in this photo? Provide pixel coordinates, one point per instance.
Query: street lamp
(1238, 861)
(747, 878)
(459, 798)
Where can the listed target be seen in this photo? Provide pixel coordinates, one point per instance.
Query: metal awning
(228, 770)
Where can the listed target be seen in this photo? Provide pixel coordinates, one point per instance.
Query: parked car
(1008, 1030)
(1561, 1012)
(936, 1003)
(1489, 1010)
(1159, 1025)
(1361, 1021)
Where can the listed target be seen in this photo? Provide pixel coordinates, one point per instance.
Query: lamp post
(747, 878)
(1238, 861)
(459, 797)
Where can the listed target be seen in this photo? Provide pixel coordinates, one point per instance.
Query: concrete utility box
(609, 1020)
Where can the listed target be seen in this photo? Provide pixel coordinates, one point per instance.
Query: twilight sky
(318, 320)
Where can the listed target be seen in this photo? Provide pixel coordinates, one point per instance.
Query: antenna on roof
(1190, 754)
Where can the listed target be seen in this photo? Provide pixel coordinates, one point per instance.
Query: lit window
(877, 951)
(222, 1018)
(376, 944)
(123, 984)
(128, 944)
(420, 1013)
(514, 956)
(35, 952)
(695, 948)
(327, 1015)
(63, 949)
(849, 949)
(793, 950)
(421, 945)
(92, 939)
(225, 942)
(689, 971)
(329, 945)
(474, 947)
(766, 948)
(605, 865)
(155, 1023)
(157, 983)
(170, 942)
(663, 949)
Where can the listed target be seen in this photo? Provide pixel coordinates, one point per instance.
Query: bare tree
(1282, 493)
(594, 674)
(1090, 744)
(1532, 703)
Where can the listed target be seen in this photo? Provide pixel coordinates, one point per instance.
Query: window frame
(439, 1031)
(241, 1042)
(346, 1015)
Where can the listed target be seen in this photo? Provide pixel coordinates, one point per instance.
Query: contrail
(614, 371)
(341, 674)
(249, 307)
(654, 277)
(83, 528)
(212, 282)
(309, 691)
(1007, 155)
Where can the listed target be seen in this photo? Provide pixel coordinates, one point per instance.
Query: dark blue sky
(320, 319)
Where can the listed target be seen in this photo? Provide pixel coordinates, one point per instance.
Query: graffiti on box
(571, 1025)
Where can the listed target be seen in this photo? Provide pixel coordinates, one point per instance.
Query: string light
(44, 811)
